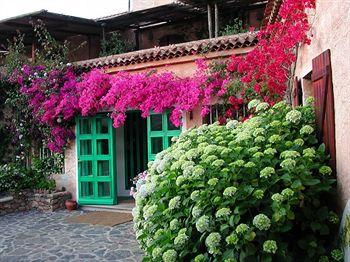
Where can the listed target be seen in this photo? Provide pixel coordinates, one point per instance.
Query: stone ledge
(27, 200)
(6, 199)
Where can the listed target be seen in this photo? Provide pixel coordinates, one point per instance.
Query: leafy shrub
(233, 28)
(12, 177)
(15, 177)
(252, 191)
(114, 45)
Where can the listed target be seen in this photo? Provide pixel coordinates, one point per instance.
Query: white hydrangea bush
(252, 191)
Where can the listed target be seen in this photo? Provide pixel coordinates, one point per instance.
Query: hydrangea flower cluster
(306, 130)
(267, 172)
(174, 203)
(293, 116)
(230, 191)
(170, 256)
(262, 222)
(200, 210)
(270, 246)
(203, 224)
(213, 243)
(223, 212)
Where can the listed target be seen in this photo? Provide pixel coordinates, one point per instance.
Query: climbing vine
(57, 95)
(266, 69)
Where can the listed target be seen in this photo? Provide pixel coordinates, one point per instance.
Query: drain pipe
(216, 18)
(210, 25)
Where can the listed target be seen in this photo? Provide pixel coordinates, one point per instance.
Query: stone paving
(35, 236)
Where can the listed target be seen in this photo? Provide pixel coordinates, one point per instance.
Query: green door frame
(94, 186)
(165, 131)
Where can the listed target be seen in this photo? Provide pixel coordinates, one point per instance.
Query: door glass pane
(156, 144)
(103, 168)
(103, 189)
(169, 141)
(156, 122)
(171, 126)
(85, 168)
(85, 126)
(85, 147)
(87, 189)
(102, 126)
(102, 147)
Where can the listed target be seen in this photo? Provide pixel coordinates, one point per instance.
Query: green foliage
(12, 177)
(233, 28)
(50, 53)
(15, 57)
(252, 191)
(15, 177)
(21, 132)
(114, 45)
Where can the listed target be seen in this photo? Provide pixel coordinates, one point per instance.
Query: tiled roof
(271, 11)
(172, 51)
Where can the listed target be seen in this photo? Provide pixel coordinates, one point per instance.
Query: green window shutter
(96, 160)
(160, 130)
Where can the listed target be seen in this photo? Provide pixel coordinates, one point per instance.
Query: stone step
(124, 208)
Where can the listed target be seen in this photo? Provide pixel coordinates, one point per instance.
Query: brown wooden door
(324, 102)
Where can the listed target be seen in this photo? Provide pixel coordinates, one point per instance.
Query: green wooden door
(160, 130)
(96, 164)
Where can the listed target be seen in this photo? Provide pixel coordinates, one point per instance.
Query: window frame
(165, 133)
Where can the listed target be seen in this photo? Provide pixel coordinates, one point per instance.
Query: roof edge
(172, 51)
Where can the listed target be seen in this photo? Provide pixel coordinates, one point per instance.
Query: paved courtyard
(35, 236)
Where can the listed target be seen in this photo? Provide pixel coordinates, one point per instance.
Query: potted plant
(71, 204)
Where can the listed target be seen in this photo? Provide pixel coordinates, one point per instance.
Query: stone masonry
(28, 199)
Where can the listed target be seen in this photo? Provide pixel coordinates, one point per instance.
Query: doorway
(135, 146)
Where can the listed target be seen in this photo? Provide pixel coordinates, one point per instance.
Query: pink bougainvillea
(57, 96)
(266, 68)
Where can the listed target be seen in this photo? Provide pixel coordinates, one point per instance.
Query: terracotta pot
(71, 204)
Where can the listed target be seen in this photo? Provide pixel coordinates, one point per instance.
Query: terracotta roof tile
(172, 51)
(271, 12)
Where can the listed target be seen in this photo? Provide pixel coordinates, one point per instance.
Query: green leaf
(315, 226)
(311, 182)
(230, 253)
(224, 227)
(296, 184)
(322, 148)
(324, 230)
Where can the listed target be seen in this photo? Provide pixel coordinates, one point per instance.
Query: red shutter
(324, 102)
(296, 87)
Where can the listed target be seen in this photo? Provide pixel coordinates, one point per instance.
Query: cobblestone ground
(35, 236)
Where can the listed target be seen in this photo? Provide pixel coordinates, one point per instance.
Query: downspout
(103, 32)
(216, 17)
(210, 25)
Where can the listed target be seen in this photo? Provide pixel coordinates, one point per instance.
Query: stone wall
(16, 202)
(27, 200)
(330, 29)
(50, 202)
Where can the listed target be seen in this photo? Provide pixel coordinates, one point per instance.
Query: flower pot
(71, 204)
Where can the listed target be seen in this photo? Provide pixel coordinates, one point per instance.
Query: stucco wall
(331, 30)
(69, 178)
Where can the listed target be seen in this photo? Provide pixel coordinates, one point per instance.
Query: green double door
(96, 160)
(96, 146)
